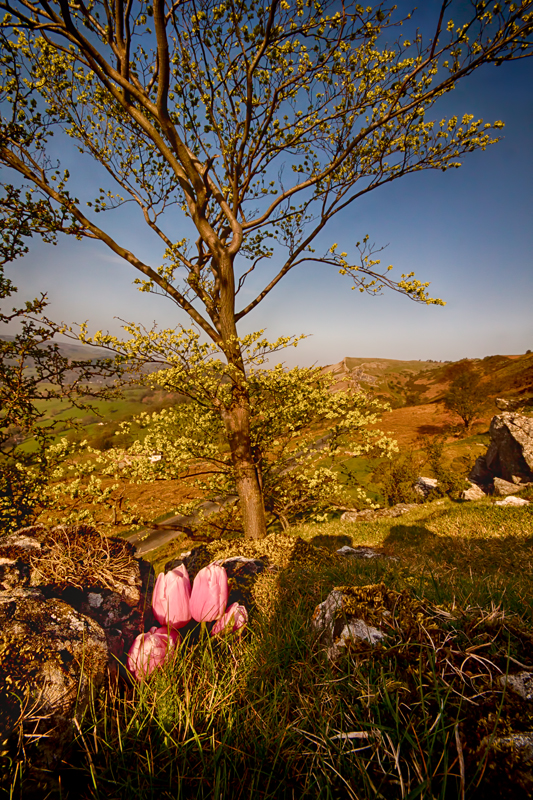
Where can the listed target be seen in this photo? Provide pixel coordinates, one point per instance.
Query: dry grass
(81, 556)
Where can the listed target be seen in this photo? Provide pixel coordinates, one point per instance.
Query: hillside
(417, 383)
(75, 352)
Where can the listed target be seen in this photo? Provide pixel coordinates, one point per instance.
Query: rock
(480, 473)
(512, 501)
(71, 601)
(241, 567)
(521, 684)
(424, 486)
(98, 576)
(475, 492)
(359, 552)
(52, 660)
(368, 514)
(508, 405)
(516, 753)
(334, 626)
(357, 629)
(510, 452)
(504, 488)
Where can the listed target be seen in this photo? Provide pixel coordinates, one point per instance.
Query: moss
(399, 614)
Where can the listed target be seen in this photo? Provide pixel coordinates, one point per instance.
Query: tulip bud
(209, 594)
(150, 650)
(235, 618)
(170, 599)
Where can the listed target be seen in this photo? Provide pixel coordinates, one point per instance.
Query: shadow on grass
(332, 543)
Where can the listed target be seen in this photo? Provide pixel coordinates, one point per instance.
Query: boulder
(71, 602)
(424, 486)
(480, 473)
(474, 492)
(512, 501)
(504, 488)
(52, 660)
(510, 453)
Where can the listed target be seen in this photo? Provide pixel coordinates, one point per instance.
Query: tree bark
(237, 423)
(236, 417)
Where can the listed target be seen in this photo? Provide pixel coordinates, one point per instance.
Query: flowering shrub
(175, 604)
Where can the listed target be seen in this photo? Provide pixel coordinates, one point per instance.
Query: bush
(450, 482)
(397, 479)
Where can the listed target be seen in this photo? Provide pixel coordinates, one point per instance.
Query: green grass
(268, 716)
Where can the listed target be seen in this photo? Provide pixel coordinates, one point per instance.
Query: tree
(300, 429)
(466, 397)
(33, 369)
(260, 121)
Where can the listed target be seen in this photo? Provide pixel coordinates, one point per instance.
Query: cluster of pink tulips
(174, 604)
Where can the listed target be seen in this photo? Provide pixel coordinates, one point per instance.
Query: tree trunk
(237, 423)
(236, 417)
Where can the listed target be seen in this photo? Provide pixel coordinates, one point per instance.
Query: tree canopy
(257, 121)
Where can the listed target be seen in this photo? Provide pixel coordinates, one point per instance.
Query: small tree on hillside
(259, 121)
(300, 429)
(466, 397)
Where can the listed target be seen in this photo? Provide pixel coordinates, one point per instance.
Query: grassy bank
(270, 716)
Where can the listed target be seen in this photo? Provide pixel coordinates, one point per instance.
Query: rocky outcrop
(71, 602)
(510, 453)
(369, 514)
(508, 463)
(52, 660)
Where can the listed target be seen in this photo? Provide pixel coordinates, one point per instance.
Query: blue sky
(468, 231)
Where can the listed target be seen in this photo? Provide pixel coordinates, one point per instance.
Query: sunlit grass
(269, 716)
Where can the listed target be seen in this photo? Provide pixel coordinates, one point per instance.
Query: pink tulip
(150, 650)
(170, 599)
(235, 618)
(209, 594)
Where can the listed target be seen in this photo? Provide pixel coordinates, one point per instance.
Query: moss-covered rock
(52, 659)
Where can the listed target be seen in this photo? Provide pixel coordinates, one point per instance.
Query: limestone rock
(512, 501)
(369, 514)
(516, 751)
(480, 473)
(510, 452)
(356, 629)
(52, 658)
(337, 629)
(474, 492)
(358, 552)
(521, 684)
(504, 488)
(424, 486)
